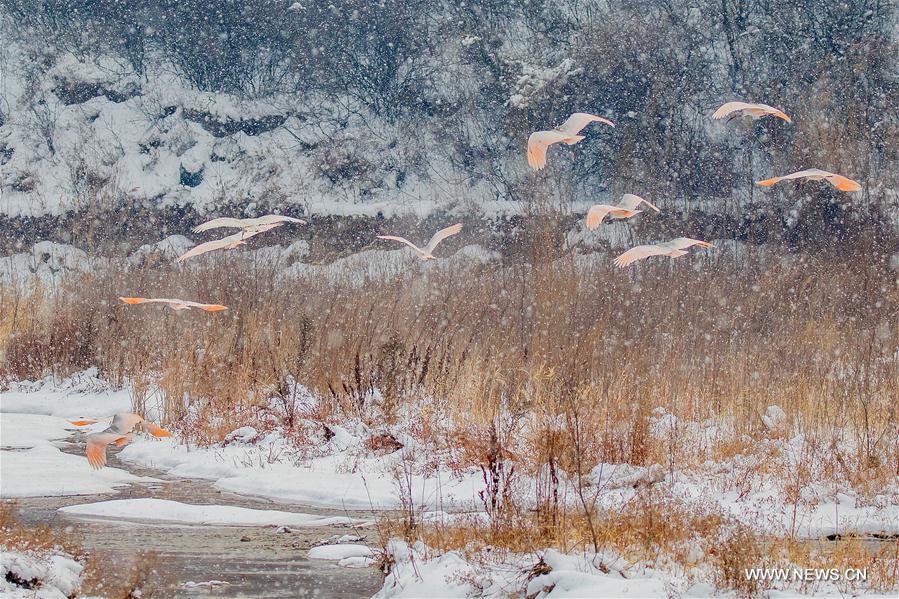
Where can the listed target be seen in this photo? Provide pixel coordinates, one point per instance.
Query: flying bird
(426, 253)
(227, 243)
(753, 111)
(626, 208)
(673, 249)
(247, 224)
(174, 304)
(815, 174)
(120, 432)
(567, 133)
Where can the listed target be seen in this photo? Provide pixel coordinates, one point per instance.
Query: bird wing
(441, 235)
(95, 449)
(775, 112)
(537, 144)
(682, 243)
(218, 223)
(154, 430)
(596, 214)
(135, 300)
(728, 108)
(278, 218)
(402, 240)
(630, 201)
(638, 253)
(209, 246)
(844, 183)
(579, 120)
(809, 172)
(147, 300)
(257, 229)
(207, 307)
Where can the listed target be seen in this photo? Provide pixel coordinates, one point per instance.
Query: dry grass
(542, 366)
(125, 581)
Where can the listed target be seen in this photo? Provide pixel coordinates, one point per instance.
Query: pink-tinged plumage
(626, 208)
(567, 133)
(673, 249)
(174, 304)
(427, 252)
(754, 111)
(815, 174)
(120, 432)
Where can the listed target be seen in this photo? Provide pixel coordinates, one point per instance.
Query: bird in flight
(426, 253)
(174, 304)
(247, 224)
(673, 249)
(227, 243)
(626, 208)
(730, 110)
(815, 174)
(120, 432)
(567, 132)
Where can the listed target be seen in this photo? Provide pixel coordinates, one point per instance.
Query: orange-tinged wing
(844, 183)
(95, 449)
(596, 214)
(156, 431)
(133, 300)
(637, 253)
(579, 120)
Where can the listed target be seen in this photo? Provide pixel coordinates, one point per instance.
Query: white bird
(567, 133)
(754, 111)
(120, 431)
(815, 174)
(673, 249)
(626, 208)
(426, 253)
(247, 224)
(174, 304)
(227, 243)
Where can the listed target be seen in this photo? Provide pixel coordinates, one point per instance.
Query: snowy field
(343, 472)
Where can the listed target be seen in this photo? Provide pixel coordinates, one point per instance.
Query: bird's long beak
(82, 422)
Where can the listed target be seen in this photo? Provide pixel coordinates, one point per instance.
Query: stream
(258, 562)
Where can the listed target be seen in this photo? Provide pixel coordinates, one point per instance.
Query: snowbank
(30, 575)
(165, 511)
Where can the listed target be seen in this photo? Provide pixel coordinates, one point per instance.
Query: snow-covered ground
(165, 511)
(336, 467)
(38, 575)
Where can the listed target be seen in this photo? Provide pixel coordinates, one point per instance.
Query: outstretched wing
(154, 430)
(844, 183)
(207, 307)
(209, 246)
(278, 218)
(402, 240)
(631, 201)
(775, 112)
(809, 172)
(596, 214)
(638, 253)
(728, 108)
(95, 450)
(441, 235)
(135, 300)
(579, 120)
(537, 144)
(682, 243)
(257, 229)
(218, 223)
